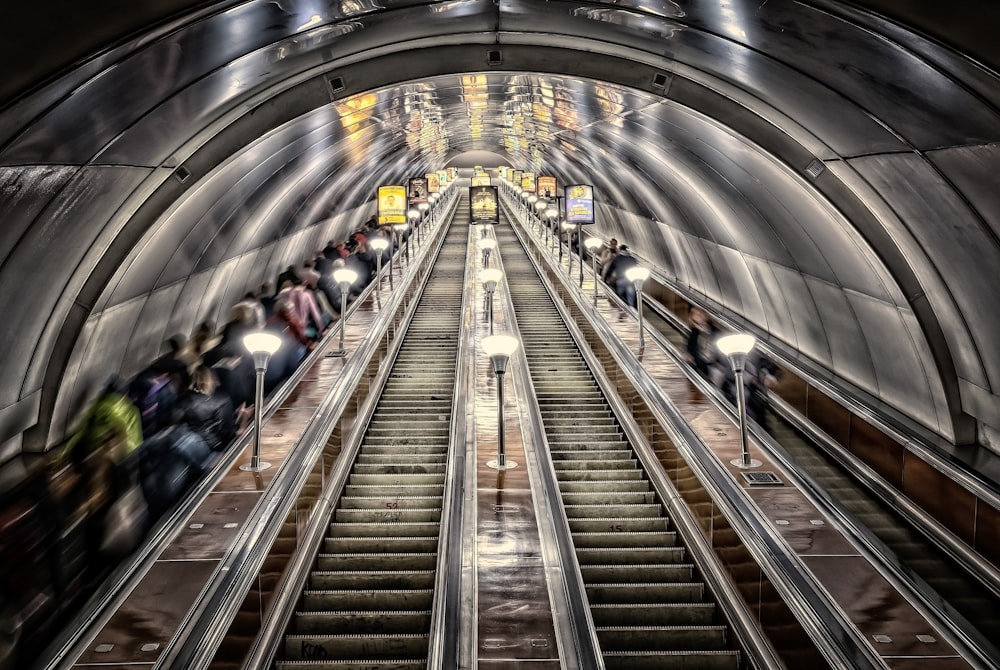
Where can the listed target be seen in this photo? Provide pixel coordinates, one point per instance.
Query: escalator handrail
(836, 638)
(290, 586)
(206, 624)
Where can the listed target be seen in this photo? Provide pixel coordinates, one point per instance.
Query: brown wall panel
(830, 417)
(793, 390)
(988, 532)
(946, 501)
(882, 453)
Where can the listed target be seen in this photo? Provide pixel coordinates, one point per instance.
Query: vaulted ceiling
(822, 173)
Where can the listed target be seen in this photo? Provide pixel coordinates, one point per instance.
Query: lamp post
(566, 227)
(344, 278)
(532, 199)
(735, 348)
(593, 244)
(579, 248)
(414, 217)
(524, 199)
(401, 228)
(488, 244)
(637, 275)
(540, 207)
(499, 348)
(550, 214)
(490, 278)
(261, 346)
(379, 244)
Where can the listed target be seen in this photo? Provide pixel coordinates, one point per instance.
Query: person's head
(623, 249)
(176, 343)
(698, 316)
(203, 380)
(613, 243)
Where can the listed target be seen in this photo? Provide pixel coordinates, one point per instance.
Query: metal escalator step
(611, 512)
(661, 638)
(375, 646)
(646, 592)
(404, 480)
(361, 622)
(658, 614)
(354, 664)
(672, 660)
(622, 541)
(385, 530)
(600, 475)
(361, 561)
(388, 515)
(604, 486)
(393, 491)
(398, 599)
(562, 465)
(618, 526)
(398, 468)
(391, 458)
(594, 454)
(372, 545)
(371, 579)
(609, 498)
(623, 573)
(390, 502)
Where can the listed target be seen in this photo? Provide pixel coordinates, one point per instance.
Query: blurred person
(617, 269)
(606, 255)
(700, 348)
(207, 410)
(101, 454)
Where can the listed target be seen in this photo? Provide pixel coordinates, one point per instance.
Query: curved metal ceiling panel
(700, 169)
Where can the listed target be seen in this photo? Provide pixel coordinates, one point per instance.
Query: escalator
(369, 600)
(971, 607)
(648, 605)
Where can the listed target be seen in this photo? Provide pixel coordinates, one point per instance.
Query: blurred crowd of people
(143, 442)
(760, 373)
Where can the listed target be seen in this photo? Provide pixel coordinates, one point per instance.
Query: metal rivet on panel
(150, 646)
(884, 639)
(104, 648)
(781, 522)
(817, 522)
(231, 525)
(926, 638)
(196, 526)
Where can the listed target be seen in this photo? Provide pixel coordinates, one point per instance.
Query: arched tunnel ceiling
(696, 122)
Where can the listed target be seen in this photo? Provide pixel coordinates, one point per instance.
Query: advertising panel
(433, 185)
(528, 182)
(443, 178)
(484, 204)
(546, 187)
(391, 205)
(580, 203)
(417, 189)
(516, 178)
(480, 179)
(452, 174)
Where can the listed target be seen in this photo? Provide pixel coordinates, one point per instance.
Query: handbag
(125, 523)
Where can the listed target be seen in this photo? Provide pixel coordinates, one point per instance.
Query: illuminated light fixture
(261, 346)
(735, 348)
(344, 277)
